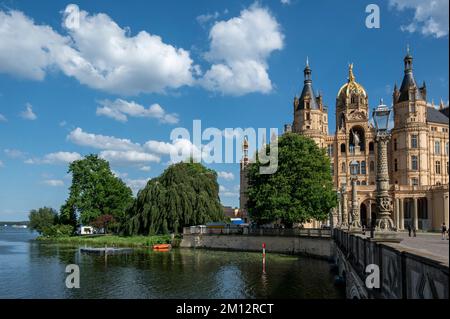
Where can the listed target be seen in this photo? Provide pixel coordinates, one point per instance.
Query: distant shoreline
(3, 223)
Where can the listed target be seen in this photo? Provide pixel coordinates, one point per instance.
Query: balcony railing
(246, 231)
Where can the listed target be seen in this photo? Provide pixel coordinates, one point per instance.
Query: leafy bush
(58, 231)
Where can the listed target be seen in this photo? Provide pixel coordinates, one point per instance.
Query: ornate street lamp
(355, 224)
(384, 223)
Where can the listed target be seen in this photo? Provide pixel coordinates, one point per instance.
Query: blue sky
(129, 73)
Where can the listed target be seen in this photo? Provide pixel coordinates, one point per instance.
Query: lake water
(29, 269)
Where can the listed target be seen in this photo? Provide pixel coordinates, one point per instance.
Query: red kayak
(162, 247)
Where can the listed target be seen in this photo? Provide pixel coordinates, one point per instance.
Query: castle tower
(243, 196)
(310, 116)
(410, 164)
(354, 134)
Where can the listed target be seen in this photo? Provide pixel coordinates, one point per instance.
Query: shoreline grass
(111, 240)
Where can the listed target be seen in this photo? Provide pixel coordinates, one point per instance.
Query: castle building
(418, 151)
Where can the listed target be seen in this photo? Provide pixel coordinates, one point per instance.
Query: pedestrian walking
(414, 231)
(409, 230)
(443, 230)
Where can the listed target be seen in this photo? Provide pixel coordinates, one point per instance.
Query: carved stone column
(339, 211)
(356, 220)
(402, 214)
(344, 209)
(383, 199)
(397, 213)
(415, 214)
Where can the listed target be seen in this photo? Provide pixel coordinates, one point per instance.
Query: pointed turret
(307, 99)
(395, 94)
(409, 89)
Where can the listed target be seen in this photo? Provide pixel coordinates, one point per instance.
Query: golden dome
(351, 87)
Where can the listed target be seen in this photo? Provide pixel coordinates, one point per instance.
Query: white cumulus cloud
(225, 175)
(55, 158)
(96, 51)
(120, 110)
(226, 192)
(54, 182)
(98, 141)
(3, 118)
(136, 184)
(28, 113)
(430, 16)
(127, 157)
(239, 51)
(180, 149)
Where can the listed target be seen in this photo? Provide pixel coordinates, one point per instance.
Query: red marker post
(264, 257)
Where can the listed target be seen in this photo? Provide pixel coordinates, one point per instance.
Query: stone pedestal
(385, 236)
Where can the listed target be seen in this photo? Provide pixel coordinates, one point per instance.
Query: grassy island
(112, 240)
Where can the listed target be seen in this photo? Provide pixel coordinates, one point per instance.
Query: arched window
(363, 167)
(395, 165)
(343, 167)
(343, 148)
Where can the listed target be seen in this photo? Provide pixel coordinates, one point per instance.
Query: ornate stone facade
(418, 150)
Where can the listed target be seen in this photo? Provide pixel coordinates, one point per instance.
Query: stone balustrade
(403, 273)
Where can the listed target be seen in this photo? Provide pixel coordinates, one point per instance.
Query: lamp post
(384, 223)
(355, 224)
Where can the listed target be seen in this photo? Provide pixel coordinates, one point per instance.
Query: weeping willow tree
(185, 194)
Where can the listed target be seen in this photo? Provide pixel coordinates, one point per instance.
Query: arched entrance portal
(363, 214)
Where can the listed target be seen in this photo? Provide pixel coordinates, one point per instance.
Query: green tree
(300, 190)
(42, 219)
(185, 194)
(95, 191)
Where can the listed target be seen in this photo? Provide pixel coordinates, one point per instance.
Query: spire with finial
(441, 104)
(409, 85)
(408, 60)
(351, 76)
(307, 96)
(245, 151)
(307, 72)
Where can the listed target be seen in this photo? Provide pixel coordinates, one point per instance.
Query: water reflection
(29, 269)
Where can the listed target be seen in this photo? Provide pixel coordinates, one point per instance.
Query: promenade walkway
(430, 243)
